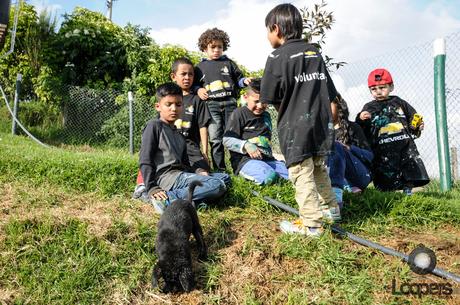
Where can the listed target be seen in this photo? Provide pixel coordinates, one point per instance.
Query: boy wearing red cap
(390, 125)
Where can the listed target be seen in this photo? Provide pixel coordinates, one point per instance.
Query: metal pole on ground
(439, 47)
(16, 103)
(131, 122)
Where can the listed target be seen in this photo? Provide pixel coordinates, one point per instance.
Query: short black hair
(211, 35)
(167, 89)
(288, 19)
(180, 61)
(254, 86)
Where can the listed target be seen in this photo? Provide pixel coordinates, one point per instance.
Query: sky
(362, 29)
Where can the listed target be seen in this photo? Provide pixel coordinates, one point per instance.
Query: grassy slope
(70, 234)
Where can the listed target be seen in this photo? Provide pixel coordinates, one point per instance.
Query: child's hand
(160, 195)
(202, 172)
(203, 94)
(247, 81)
(252, 150)
(365, 115)
(421, 126)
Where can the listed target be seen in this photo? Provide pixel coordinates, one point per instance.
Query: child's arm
(147, 165)
(204, 142)
(198, 82)
(238, 76)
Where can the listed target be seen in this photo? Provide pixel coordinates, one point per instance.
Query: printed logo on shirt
(391, 128)
(304, 77)
(180, 124)
(225, 71)
(310, 54)
(189, 110)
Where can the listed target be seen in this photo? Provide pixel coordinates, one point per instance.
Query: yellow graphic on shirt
(391, 128)
(217, 86)
(180, 124)
(263, 143)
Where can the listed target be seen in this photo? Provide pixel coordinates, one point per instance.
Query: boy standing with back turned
(298, 84)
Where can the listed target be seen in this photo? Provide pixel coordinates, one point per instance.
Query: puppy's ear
(156, 274)
(186, 279)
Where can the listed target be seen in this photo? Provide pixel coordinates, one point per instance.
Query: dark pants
(220, 112)
(346, 168)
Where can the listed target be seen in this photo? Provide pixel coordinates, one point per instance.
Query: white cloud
(363, 28)
(41, 5)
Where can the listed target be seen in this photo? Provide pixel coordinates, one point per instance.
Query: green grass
(70, 234)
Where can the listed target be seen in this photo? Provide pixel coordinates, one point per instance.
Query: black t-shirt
(195, 115)
(296, 79)
(245, 125)
(219, 77)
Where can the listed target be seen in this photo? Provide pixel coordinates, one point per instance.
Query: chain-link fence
(412, 71)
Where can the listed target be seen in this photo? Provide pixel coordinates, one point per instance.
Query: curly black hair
(211, 35)
(343, 133)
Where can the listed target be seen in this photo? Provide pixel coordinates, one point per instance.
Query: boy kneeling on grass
(163, 158)
(248, 138)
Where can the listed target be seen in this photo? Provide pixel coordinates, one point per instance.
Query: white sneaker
(296, 227)
(138, 190)
(332, 214)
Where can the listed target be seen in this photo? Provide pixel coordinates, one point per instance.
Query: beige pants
(313, 191)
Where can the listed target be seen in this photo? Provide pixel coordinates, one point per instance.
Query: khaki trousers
(313, 191)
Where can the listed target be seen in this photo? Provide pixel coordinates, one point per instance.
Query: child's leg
(259, 172)
(223, 177)
(302, 177)
(337, 165)
(212, 187)
(323, 183)
(356, 173)
(280, 168)
(229, 106)
(216, 133)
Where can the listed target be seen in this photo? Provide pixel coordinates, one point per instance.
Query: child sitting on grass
(248, 138)
(350, 163)
(163, 158)
(390, 125)
(192, 124)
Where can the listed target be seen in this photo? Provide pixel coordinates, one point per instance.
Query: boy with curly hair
(219, 79)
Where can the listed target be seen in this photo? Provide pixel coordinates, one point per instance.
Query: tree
(315, 23)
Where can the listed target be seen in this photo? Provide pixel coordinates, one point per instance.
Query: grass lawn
(70, 234)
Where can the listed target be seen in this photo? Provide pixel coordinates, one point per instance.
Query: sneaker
(296, 227)
(138, 190)
(407, 191)
(338, 194)
(144, 197)
(347, 188)
(332, 214)
(159, 205)
(356, 190)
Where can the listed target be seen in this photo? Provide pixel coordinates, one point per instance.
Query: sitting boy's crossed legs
(264, 172)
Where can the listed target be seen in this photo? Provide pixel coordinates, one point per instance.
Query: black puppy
(172, 245)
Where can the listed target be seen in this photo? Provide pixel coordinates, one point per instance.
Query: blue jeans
(264, 172)
(346, 168)
(220, 112)
(214, 186)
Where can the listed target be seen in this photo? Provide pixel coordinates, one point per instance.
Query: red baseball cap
(379, 77)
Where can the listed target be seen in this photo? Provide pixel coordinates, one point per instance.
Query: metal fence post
(131, 122)
(16, 103)
(439, 47)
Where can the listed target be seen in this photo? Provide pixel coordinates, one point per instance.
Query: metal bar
(336, 229)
